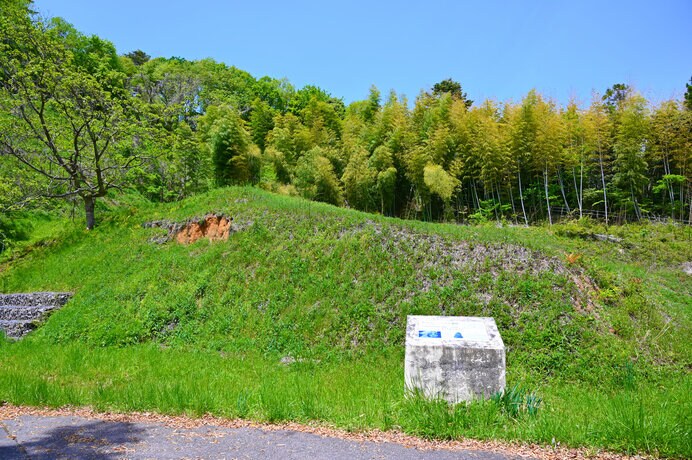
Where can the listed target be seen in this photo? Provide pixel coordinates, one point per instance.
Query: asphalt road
(43, 438)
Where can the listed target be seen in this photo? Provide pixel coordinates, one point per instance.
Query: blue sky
(494, 49)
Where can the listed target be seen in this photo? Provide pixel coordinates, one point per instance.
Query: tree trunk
(669, 186)
(578, 189)
(89, 209)
(521, 198)
(499, 199)
(682, 201)
(562, 189)
(547, 200)
(605, 195)
(511, 198)
(492, 195)
(475, 192)
(581, 187)
(634, 202)
(689, 197)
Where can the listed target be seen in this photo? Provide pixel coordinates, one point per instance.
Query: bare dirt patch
(214, 227)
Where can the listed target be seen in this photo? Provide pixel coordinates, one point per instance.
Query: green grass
(353, 394)
(597, 330)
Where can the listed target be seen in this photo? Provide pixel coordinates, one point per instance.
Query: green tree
(669, 147)
(382, 162)
(303, 97)
(360, 181)
(597, 129)
(524, 130)
(487, 152)
(439, 182)
(261, 122)
(138, 57)
(220, 84)
(78, 130)
(229, 145)
(548, 146)
(275, 93)
(615, 96)
(171, 89)
(372, 106)
(323, 122)
(453, 88)
(191, 168)
(630, 144)
(575, 150)
(286, 144)
(315, 178)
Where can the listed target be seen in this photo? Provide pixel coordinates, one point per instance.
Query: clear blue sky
(494, 49)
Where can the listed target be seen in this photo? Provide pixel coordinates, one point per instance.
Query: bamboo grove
(74, 113)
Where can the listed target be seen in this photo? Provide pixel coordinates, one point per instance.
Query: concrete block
(457, 358)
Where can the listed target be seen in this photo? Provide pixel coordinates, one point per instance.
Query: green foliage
(65, 113)
(229, 145)
(439, 182)
(372, 106)
(359, 181)
(630, 165)
(261, 122)
(453, 88)
(12, 230)
(315, 178)
(615, 96)
(306, 95)
(138, 57)
(517, 401)
(608, 160)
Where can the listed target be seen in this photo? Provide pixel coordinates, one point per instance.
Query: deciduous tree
(69, 120)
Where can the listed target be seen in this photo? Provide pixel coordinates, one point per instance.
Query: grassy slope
(202, 328)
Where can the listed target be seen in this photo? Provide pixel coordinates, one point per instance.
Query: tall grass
(355, 394)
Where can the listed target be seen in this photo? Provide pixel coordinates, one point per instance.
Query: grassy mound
(589, 324)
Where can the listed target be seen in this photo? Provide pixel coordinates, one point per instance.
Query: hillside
(301, 313)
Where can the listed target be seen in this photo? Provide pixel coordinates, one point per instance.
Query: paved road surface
(44, 438)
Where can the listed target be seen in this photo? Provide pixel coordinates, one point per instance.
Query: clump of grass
(436, 418)
(517, 401)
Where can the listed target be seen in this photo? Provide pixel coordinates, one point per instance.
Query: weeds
(517, 401)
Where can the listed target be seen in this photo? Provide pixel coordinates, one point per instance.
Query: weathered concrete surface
(43, 438)
(454, 358)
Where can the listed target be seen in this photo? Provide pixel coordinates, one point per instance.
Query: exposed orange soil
(213, 227)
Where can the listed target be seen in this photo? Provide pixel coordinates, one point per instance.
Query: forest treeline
(77, 120)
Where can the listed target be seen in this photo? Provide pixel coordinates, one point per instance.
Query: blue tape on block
(430, 334)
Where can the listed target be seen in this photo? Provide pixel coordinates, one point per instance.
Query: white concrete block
(457, 358)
